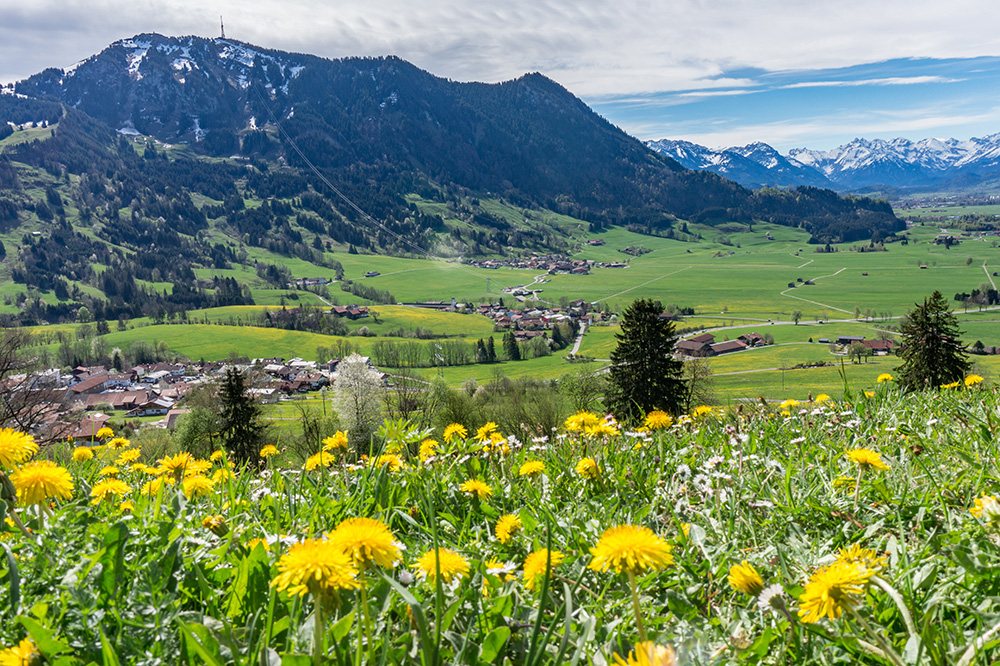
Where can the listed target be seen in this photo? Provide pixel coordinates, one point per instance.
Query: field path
(988, 276)
(805, 264)
(806, 300)
(641, 285)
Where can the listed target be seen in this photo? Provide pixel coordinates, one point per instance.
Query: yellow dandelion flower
(337, 440)
(744, 578)
(508, 525)
(791, 402)
(648, 653)
(82, 454)
(985, 507)
(588, 469)
(216, 525)
(23, 654)
(105, 432)
(973, 380)
(703, 410)
(869, 394)
(601, 429)
(883, 378)
(531, 468)
(198, 467)
(579, 421)
(485, 431)
(15, 447)
(127, 507)
(221, 475)
(452, 565)
(268, 451)
(108, 489)
(118, 443)
(175, 465)
(316, 567)
(535, 566)
(390, 460)
(253, 543)
(197, 486)
(109, 470)
(428, 449)
(867, 458)
(128, 456)
(823, 397)
(455, 429)
(864, 556)
(476, 488)
(657, 420)
(152, 488)
(953, 385)
(217, 456)
(831, 589)
(630, 548)
(321, 459)
(39, 481)
(367, 541)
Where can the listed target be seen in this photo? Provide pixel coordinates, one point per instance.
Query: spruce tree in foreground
(241, 427)
(644, 374)
(931, 349)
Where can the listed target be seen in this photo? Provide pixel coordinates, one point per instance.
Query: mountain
(857, 165)
(162, 160)
(755, 165)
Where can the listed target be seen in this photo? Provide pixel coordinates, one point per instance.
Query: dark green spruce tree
(644, 374)
(931, 347)
(241, 427)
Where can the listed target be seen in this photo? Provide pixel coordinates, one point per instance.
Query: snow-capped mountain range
(858, 165)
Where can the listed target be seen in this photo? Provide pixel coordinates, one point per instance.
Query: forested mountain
(160, 156)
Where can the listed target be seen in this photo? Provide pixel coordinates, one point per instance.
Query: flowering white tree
(357, 397)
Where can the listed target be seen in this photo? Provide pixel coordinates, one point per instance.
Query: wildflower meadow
(861, 531)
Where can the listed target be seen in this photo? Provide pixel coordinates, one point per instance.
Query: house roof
(728, 346)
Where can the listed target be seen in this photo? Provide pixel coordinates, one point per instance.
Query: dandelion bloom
(337, 440)
(126, 507)
(531, 468)
(485, 431)
(588, 469)
(972, 380)
(317, 567)
(703, 410)
(22, 654)
(105, 432)
(535, 565)
(321, 459)
(268, 451)
(216, 525)
(197, 486)
(108, 489)
(822, 397)
(867, 458)
(455, 429)
(744, 578)
(390, 460)
(217, 456)
(451, 564)
(859, 555)
(175, 465)
(657, 420)
(128, 456)
(987, 507)
(869, 394)
(253, 543)
(15, 447)
(883, 378)
(602, 429)
(648, 653)
(952, 385)
(791, 402)
(507, 527)
(221, 475)
(831, 589)
(82, 454)
(476, 488)
(579, 421)
(197, 467)
(118, 443)
(428, 449)
(630, 548)
(109, 470)
(151, 488)
(40, 480)
(367, 540)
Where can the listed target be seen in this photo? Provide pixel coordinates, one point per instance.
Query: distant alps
(898, 165)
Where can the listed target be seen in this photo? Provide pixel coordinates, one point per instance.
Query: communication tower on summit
(222, 27)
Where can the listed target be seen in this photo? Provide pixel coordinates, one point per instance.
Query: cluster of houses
(550, 263)
(527, 324)
(878, 347)
(85, 399)
(701, 346)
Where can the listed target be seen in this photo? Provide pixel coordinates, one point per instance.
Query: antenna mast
(222, 27)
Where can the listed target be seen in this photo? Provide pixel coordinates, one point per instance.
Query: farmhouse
(879, 347)
(728, 347)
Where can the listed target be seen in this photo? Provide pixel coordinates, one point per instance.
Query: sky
(791, 73)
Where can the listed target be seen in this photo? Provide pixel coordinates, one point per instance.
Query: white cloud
(888, 81)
